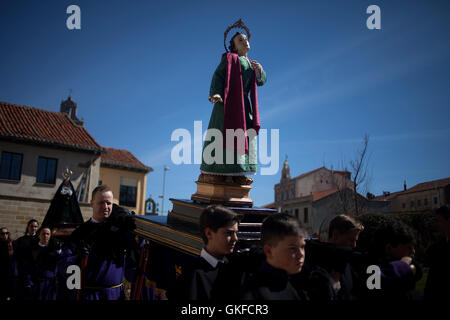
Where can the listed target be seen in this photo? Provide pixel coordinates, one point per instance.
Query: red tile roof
(424, 186)
(387, 197)
(269, 205)
(323, 194)
(122, 159)
(315, 170)
(37, 126)
(429, 185)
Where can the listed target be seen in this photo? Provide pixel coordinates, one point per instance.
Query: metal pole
(164, 187)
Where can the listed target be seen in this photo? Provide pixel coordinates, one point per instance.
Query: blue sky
(141, 69)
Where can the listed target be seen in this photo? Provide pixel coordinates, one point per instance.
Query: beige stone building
(314, 197)
(424, 196)
(37, 146)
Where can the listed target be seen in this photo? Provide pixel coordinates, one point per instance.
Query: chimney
(404, 185)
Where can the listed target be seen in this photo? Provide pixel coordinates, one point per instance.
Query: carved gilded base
(229, 195)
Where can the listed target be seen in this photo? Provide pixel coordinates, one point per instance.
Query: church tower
(285, 172)
(70, 108)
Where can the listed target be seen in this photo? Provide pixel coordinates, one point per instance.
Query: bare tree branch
(359, 176)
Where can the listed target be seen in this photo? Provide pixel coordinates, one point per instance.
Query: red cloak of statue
(234, 106)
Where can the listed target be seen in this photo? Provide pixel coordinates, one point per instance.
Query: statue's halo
(237, 25)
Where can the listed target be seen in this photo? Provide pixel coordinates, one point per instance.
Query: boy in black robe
(283, 242)
(218, 228)
(328, 274)
(438, 257)
(393, 252)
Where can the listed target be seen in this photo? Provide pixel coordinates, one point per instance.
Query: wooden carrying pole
(141, 271)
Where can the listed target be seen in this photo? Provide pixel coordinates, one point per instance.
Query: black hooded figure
(64, 208)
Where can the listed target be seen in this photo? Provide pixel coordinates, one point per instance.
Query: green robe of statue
(246, 163)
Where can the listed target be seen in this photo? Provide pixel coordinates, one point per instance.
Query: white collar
(213, 261)
(42, 245)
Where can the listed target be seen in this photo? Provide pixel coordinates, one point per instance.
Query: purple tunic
(108, 258)
(397, 282)
(41, 272)
(104, 278)
(397, 276)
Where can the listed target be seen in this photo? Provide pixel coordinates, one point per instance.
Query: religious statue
(235, 79)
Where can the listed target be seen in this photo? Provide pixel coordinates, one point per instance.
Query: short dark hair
(30, 222)
(443, 211)
(215, 217)
(277, 226)
(343, 223)
(44, 227)
(393, 233)
(5, 228)
(231, 46)
(101, 189)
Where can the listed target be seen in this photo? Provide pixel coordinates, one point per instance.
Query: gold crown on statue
(67, 174)
(237, 25)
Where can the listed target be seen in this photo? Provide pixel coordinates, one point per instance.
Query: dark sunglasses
(2, 233)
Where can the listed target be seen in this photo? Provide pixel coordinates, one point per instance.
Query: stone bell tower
(285, 172)
(70, 108)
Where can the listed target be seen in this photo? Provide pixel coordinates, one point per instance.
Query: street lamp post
(164, 187)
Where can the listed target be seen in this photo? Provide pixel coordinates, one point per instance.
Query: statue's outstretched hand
(215, 98)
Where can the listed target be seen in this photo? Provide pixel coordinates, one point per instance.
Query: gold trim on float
(188, 204)
(250, 224)
(164, 228)
(224, 186)
(173, 243)
(183, 217)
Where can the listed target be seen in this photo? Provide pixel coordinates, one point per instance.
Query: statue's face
(241, 43)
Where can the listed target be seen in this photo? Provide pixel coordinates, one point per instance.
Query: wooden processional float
(174, 241)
